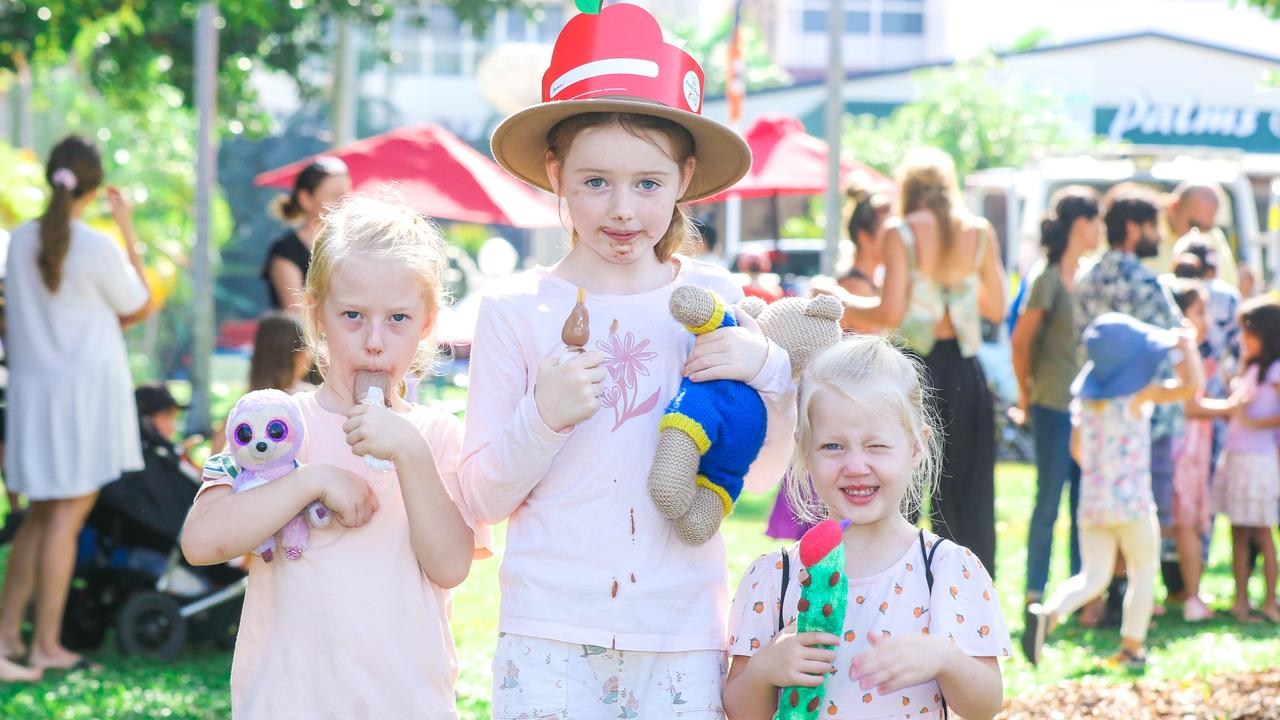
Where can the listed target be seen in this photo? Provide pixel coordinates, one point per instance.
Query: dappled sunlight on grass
(195, 685)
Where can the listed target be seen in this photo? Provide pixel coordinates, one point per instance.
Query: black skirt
(963, 503)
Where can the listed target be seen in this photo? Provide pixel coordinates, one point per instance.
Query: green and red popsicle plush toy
(824, 597)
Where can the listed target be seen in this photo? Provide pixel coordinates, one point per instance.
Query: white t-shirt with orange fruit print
(963, 608)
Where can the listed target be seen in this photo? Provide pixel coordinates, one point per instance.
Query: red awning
(785, 160)
(439, 175)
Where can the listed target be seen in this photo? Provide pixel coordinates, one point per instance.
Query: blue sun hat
(1124, 355)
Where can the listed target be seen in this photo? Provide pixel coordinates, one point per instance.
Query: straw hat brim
(519, 143)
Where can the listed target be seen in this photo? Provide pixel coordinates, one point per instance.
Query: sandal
(1196, 611)
(1129, 660)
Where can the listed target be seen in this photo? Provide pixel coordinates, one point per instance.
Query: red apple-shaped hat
(617, 62)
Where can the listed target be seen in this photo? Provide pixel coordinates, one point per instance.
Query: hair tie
(330, 165)
(64, 177)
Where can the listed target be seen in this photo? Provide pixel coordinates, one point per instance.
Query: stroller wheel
(150, 625)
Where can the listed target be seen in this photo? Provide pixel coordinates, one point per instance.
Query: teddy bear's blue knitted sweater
(725, 418)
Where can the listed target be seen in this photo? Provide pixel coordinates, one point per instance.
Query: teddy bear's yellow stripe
(724, 496)
(688, 426)
(717, 317)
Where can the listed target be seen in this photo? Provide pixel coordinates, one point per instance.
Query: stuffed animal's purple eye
(243, 434)
(277, 430)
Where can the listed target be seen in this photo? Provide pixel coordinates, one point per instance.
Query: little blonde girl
(923, 629)
(1247, 485)
(359, 626)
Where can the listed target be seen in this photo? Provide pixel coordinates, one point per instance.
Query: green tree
(970, 111)
(710, 46)
(150, 155)
(1270, 7)
(126, 47)
(22, 188)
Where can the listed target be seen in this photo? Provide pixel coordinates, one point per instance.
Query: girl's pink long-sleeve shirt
(588, 557)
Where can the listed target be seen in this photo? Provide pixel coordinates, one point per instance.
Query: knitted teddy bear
(824, 598)
(264, 435)
(713, 430)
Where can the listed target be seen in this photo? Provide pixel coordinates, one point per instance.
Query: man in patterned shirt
(1118, 282)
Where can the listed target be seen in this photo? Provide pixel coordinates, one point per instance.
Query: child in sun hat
(1111, 439)
(604, 611)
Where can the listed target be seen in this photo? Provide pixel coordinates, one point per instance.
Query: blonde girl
(359, 626)
(923, 629)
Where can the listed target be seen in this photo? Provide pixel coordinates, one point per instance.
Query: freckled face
(620, 189)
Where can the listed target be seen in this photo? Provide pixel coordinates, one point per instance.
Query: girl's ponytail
(73, 171)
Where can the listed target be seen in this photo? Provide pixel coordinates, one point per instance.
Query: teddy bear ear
(825, 306)
(752, 306)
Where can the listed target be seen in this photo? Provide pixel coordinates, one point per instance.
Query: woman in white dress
(72, 423)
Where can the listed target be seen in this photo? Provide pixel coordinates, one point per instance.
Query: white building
(435, 77)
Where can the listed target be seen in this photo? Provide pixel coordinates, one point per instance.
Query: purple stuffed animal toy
(264, 435)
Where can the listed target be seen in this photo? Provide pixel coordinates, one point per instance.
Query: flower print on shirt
(625, 359)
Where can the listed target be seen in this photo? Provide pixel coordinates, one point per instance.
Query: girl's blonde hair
(681, 235)
(883, 381)
(928, 180)
(382, 227)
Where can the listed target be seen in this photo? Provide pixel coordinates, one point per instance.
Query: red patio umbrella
(785, 160)
(438, 174)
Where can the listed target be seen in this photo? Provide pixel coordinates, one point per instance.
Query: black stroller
(130, 573)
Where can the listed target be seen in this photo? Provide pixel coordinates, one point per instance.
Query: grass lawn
(195, 685)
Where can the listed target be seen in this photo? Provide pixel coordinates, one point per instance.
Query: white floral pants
(539, 679)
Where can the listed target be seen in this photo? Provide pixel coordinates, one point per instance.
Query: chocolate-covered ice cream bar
(577, 327)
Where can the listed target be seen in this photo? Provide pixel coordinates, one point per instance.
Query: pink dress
(1247, 486)
(354, 628)
(963, 608)
(1193, 453)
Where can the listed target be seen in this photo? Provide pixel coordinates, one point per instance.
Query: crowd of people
(1157, 261)
(1133, 380)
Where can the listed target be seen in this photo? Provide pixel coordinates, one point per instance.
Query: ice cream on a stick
(577, 328)
(370, 388)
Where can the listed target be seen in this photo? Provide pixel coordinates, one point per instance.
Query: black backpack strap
(928, 578)
(928, 560)
(786, 580)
